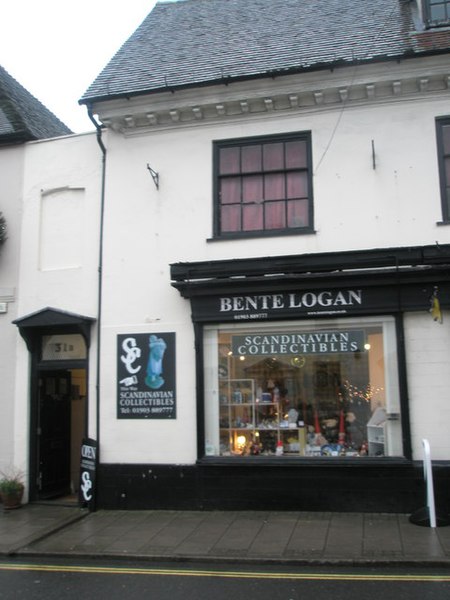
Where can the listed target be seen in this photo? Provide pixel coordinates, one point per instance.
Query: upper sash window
(443, 146)
(263, 186)
(437, 12)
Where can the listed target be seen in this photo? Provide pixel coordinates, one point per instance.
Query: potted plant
(11, 489)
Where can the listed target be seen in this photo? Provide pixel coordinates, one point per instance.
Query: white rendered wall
(59, 249)
(61, 209)
(356, 207)
(427, 361)
(11, 176)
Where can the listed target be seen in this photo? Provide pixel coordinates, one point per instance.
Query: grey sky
(55, 48)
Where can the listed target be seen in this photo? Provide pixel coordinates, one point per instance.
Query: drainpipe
(100, 289)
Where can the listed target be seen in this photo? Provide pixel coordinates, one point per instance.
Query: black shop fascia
(365, 282)
(292, 311)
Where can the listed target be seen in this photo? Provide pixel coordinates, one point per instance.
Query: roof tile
(198, 42)
(22, 116)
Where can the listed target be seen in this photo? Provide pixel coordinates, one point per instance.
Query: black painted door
(54, 434)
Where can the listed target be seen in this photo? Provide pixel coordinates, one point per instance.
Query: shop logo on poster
(132, 353)
(146, 376)
(86, 486)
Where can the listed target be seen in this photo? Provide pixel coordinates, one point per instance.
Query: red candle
(341, 427)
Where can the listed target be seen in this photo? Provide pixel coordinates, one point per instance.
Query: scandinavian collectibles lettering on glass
(315, 342)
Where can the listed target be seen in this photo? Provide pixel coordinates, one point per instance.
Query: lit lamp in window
(241, 442)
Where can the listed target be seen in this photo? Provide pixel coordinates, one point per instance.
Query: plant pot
(12, 500)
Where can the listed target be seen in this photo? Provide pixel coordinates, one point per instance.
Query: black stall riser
(365, 488)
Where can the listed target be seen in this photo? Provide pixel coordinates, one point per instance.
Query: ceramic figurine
(154, 377)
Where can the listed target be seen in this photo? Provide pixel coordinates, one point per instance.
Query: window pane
(297, 213)
(275, 215)
(230, 218)
(230, 190)
(297, 185)
(447, 170)
(263, 171)
(251, 158)
(229, 160)
(252, 188)
(252, 215)
(273, 156)
(437, 13)
(63, 347)
(274, 385)
(446, 138)
(296, 155)
(274, 188)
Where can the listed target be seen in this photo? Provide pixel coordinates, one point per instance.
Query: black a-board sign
(88, 471)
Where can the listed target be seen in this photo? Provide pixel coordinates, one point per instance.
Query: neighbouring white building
(238, 290)
(23, 119)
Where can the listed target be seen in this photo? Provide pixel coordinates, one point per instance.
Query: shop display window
(309, 389)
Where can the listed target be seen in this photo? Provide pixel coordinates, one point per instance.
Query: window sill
(248, 235)
(437, 25)
(300, 461)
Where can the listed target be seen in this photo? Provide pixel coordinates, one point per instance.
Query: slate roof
(200, 42)
(22, 116)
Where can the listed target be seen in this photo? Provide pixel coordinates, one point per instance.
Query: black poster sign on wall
(88, 469)
(146, 376)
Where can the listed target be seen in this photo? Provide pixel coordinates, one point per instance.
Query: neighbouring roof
(22, 116)
(201, 42)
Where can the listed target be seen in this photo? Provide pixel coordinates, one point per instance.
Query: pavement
(51, 530)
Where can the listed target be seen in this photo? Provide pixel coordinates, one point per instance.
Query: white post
(428, 475)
